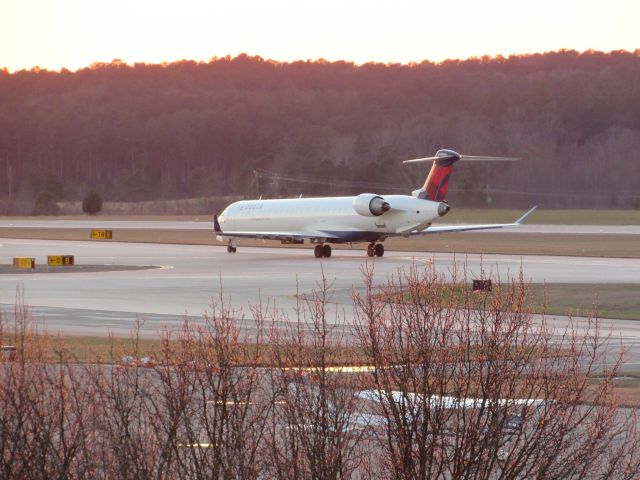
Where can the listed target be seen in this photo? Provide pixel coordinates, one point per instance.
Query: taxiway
(191, 276)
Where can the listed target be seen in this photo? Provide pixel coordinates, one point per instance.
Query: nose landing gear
(376, 249)
(322, 251)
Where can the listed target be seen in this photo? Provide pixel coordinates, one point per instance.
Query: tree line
(188, 129)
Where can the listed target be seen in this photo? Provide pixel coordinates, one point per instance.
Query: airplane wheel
(231, 249)
(318, 251)
(326, 251)
(379, 249)
(371, 250)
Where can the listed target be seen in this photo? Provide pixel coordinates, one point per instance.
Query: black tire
(318, 251)
(379, 249)
(371, 250)
(230, 249)
(326, 251)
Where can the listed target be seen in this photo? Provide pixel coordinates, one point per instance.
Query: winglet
(216, 224)
(524, 217)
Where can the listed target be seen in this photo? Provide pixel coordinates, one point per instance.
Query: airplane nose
(443, 208)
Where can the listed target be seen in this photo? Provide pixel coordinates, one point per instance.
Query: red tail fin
(437, 183)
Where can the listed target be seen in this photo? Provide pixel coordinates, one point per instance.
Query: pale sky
(75, 33)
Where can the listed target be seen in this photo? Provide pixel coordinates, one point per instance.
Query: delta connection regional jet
(364, 218)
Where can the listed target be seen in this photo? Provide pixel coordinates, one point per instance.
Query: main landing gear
(376, 249)
(231, 249)
(322, 251)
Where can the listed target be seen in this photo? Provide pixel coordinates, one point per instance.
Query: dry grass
(610, 300)
(545, 216)
(110, 349)
(599, 245)
(516, 243)
(130, 211)
(98, 349)
(626, 390)
(620, 301)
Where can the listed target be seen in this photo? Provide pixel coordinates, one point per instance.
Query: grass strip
(619, 301)
(545, 216)
(582, 245)
(457, 215)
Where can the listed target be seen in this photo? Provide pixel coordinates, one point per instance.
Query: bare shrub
(198, 412)
(211, 405)
(463, 385)
(45, 412)
(92, 203)
(316, 431)
(471, 386)
(123, 439)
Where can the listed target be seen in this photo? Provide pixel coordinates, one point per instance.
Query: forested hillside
(190, 129)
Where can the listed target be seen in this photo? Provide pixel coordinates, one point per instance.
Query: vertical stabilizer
(437, 183)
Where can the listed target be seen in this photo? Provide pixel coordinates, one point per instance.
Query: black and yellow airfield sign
(60, 260)
(24, 262)
(101, 234)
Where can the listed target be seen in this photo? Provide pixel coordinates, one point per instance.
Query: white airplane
(511, 424)
(364, 218)
(448, 402)
(301, 387)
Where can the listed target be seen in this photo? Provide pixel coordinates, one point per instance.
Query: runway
(208, 225)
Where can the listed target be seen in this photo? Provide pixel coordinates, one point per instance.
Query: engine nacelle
(370, 205)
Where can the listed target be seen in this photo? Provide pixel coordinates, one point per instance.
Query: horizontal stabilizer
(466, 158)
(468, 228)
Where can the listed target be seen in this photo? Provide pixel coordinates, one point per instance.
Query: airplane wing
(270, 235)
(466, 228)
(276, 235)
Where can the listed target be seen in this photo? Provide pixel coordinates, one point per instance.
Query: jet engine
(370, 205)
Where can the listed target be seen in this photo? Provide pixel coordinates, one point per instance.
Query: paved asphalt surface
(208, 225)
(191, 276)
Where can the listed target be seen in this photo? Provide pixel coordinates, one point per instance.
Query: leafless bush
(44, 411)
(472, 387)
(199, 412)
(211, 404)
(464, 385)
(316, 431)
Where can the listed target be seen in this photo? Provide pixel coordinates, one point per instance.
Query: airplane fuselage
(338, 217)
